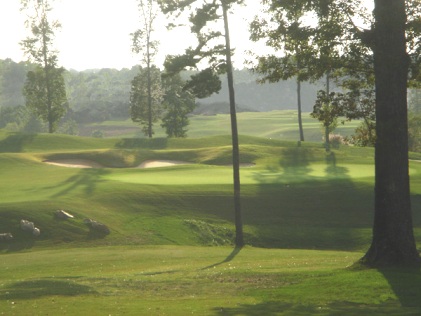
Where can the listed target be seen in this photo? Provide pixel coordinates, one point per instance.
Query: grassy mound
(290, 195)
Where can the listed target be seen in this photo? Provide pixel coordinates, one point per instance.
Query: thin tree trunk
(149, 93)
(393, 242)
(300, 120)
(239, 239)
(327, 141)
(47, 80)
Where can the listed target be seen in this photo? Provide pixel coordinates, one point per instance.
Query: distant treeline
(101, 94)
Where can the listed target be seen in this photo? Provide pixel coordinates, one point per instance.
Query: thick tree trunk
(393, 241)
(239, 239)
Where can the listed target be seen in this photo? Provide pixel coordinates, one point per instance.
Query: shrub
(336, 140)
(97, 133)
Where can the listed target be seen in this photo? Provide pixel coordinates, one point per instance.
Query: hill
(287, 193)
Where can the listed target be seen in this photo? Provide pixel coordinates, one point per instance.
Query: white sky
(96, 33)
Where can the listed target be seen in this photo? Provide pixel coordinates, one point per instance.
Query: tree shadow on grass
(39, 288)
(148, 143)
(340, 308)
(15, 143)
(85, 178)
(406, 284)
(308, 201)
(230, 257)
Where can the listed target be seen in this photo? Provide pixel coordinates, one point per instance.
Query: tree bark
(393, 242)
(300, 120)
(239, 239)
(327, 131)
(149, 92)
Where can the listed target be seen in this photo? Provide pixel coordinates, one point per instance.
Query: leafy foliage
(45, 94)
(178, 103)
(414, 132)
(140, 110)
(44, 89)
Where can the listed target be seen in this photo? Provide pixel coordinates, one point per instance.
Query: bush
(364, 136)
(97, 133)
(336, 140)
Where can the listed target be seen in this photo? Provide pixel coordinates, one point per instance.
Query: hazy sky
(96, 33)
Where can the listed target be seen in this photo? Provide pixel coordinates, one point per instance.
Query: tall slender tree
(393, 242)
(146, 99)
(144, 45)
(44, 88)
(213, 50)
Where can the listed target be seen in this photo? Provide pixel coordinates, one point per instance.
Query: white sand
(74, 163)
(160, 163)
(84, 163)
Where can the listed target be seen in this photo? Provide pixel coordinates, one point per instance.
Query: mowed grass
(280, 125)
(307, 219)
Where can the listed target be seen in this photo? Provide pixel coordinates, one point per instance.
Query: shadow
(309, 201)
(146, 143)
(159, 272)
(339, 308)
(332, 169)
(230, 257)
(296, 161)
(17, 245)
(406, 284)
(85, 178)
(94, 234)
(294, 165)
(39, 288)
(15, 143)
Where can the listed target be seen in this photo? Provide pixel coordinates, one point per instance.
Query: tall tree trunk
(239, 239)
(149, 93)
(47, 79)
(393, 241)
(300, 120)
(327, 132)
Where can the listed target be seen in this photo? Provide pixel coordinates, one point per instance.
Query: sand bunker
(161, 163)
(84, 163)
(74, 163)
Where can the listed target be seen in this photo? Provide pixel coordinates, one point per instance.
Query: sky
(96, 33)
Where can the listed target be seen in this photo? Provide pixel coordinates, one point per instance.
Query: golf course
(168, 206)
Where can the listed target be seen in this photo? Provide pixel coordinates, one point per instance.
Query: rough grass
(180, 280)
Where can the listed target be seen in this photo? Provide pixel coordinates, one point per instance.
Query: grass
(307, 218)
(281, 125)
(180, 280)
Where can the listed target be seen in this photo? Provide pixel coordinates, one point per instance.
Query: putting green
(202, 174)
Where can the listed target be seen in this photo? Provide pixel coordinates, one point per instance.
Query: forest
(97, 95)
